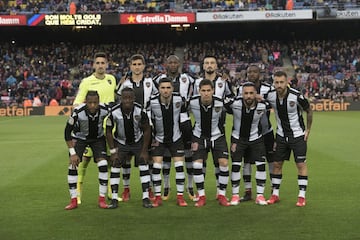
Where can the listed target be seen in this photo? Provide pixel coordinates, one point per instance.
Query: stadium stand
(55, 70)
(118, 6)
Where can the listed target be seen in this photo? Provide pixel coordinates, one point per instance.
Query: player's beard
(249, 102)
(210, 71)
(166, 98)
(281, 91)
(252, 79)
(127, 107)
(93, 111)
(173, 71)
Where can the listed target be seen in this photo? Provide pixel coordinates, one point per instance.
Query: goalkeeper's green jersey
(105, 88)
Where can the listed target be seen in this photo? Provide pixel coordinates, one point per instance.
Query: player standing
(105, 85)
(291, 134)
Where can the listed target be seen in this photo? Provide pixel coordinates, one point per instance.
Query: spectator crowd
(117, 6)
(321, 69)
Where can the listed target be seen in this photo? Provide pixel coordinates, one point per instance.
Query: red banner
(12, 20)
(157, 18)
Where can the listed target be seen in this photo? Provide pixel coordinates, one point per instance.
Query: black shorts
(269, 141)
(126, 152)
(98, 147)
(218, 148)
(176, 149)
(250, 151)
(167, 154)
(186, 132)
(284, 146)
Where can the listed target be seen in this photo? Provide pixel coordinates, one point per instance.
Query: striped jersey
(209, 120)
(86, 126)
(263, 90)
(128, 127)
(143, 89)
(184, 85)
(166, 118)
(221, 86)
(246, 121)
(288, 112)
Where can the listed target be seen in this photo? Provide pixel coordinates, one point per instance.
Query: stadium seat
(12, 3)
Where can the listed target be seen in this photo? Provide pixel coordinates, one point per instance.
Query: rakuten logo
(280, 15)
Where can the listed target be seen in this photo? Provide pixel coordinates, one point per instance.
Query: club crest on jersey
(218, 109)
(259, 111)
(147, 84)
(220, 84)
(177, 104)
(292, 104)
(109, 81)
(183, 79)
(137, 117)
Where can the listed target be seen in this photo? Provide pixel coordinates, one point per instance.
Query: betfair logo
(15, 111)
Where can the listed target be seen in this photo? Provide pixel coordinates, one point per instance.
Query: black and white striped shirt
(263, 90)
(246, 121)
(143, 89)
(166, 118)
(184, 85)
(128, 127)
(221, 86)
(86, 126)
(208, 119)
(288, 112)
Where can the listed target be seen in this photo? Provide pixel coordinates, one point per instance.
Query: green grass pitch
(34, 192)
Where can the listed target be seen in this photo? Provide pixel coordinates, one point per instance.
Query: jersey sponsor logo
(147, 84)
(183, 79)
(177, 104)
(218, 109)
(220, 85)
(292, 103)
(137, 117)
(259, 111)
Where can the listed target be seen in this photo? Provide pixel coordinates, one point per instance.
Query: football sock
(235, 177)
(302, 182)
(223, 179)
(156, 178)
(103, 177)
(114, 182)
(180, 176)
(72, 180)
